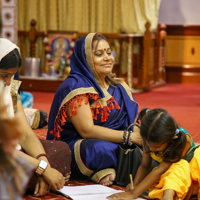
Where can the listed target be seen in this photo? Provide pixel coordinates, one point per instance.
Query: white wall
(179, 12)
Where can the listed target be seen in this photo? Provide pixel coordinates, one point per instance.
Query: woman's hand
(10, 131)
(54, 178)
(67, 177)
(136, 138)
(42, 188)
(50, 179)
(8, 147)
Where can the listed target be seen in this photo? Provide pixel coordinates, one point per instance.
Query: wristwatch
(41, 167)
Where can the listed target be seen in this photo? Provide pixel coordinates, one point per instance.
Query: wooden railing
(139, 58)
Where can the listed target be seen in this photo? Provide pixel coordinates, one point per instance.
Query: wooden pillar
(163, 35)
(32, 38)
(130, 63)
(146, 60)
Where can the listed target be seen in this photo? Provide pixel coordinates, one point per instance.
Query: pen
(131, 179)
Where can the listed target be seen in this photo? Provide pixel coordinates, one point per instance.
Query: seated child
(173, 148)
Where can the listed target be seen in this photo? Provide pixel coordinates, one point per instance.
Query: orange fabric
(72, 108)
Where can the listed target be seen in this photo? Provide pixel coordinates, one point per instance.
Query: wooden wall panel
(183, 74)
(183, 54)
(182, 50)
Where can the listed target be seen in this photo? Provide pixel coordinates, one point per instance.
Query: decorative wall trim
(183, 30)
(183, 74)
(9, 19)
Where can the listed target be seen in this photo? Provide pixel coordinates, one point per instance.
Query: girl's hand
(121, 195)
(129, 187)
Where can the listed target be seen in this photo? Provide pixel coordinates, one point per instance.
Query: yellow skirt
(177, 178)
(195, 168)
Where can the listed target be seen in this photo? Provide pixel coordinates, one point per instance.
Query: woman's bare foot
(107, 180)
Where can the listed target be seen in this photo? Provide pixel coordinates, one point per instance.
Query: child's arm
(145, 166)
(143, 179)
(151, 179)
(143, 169)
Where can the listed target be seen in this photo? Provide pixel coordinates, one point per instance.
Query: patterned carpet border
(55, 196)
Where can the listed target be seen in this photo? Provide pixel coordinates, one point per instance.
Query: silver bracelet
(125, 137)
(130, 138)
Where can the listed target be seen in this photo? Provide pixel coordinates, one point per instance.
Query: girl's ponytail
(143, 112)
(158, 126)
(175, 149)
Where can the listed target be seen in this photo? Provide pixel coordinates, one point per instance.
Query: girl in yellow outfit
(172, 148)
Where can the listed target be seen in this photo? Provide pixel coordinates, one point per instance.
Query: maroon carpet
(182, 101)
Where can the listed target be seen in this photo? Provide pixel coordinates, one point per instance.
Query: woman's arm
(10, 130)
(33, 147)
(83, 123)
(51, 176)
(29, 141)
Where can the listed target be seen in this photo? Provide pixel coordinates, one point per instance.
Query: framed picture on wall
(59, 46)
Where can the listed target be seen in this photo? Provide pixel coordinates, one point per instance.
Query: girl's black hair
(158, 126)
(11, 60)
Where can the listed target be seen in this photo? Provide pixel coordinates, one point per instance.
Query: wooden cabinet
(183, 50)
(183, 54)
(41, 84)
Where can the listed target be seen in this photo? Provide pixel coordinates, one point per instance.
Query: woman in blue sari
(91, 109)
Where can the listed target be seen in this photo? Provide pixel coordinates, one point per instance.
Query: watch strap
(39, 169)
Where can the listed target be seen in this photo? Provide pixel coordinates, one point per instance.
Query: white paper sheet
(89, 192)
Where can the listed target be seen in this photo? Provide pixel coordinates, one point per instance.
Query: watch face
(43, 164)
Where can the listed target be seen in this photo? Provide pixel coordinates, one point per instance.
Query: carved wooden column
(163, 35)
(160, 54)
(129, 67)
(143, 71)
(32, 37)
